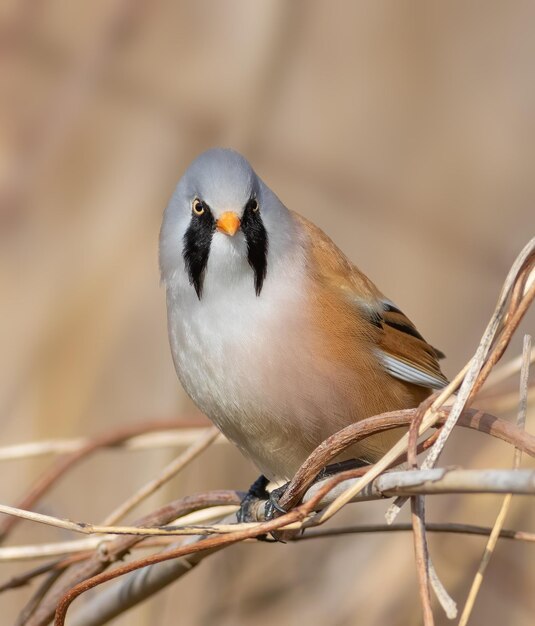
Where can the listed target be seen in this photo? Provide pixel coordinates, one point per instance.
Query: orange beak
(228, 223)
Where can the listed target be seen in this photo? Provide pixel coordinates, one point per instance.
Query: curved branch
(118, 548)
(64, 464)
(412, 482)
(337, 443)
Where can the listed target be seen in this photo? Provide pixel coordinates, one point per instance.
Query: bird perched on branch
(276, 336)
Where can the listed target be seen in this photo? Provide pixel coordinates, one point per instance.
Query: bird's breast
(262, 367)
(239, 357)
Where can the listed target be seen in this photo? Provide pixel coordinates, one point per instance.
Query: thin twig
(507, 370)
(47, 550)
(83, 546)
(504, 509)
(112, 551)
(63, 465)
(409, 483)
(337, 443)
(61, 548)
(206, 438)
(427, 575)
(421, 550)
(513, 320)
(435, 481)
(342, 493)
(430, 527)
(26, 577)
(181, 435)
(421, 558)
(481, 364)
(447, 603)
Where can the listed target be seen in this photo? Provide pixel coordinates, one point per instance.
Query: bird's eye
(197, 206)
(252, 205)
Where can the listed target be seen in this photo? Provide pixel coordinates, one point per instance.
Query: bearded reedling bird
(276, 336)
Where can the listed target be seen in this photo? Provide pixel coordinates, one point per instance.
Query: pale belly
(260, 379)
(250, 377)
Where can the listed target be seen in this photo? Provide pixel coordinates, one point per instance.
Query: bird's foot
(258, 493)
(273, 508)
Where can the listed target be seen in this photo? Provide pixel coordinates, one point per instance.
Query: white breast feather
(240, 356)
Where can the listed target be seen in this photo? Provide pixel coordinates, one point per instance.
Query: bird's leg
(257, 491)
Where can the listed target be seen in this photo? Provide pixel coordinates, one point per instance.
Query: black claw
(274, 498)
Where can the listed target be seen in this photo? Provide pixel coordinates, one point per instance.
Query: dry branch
(518, 292)
(500, 520)
(310, 504)
(431, 481)
(430, 527)
(197, 447)
(85, 546)
(421, 553)
(423, 481)
(118, 548)
(63, 465)
(408, 483)
(182, 435)
(337, 443)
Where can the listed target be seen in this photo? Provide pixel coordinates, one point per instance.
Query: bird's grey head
(219, 206)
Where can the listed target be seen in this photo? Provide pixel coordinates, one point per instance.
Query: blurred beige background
(406, 130)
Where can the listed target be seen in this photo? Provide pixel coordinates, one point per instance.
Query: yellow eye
(198, 206)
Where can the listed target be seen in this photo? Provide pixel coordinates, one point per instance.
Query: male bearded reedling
(276, 336)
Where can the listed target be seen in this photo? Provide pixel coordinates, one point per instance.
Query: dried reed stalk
(310, 504)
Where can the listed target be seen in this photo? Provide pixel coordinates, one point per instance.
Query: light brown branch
(180, 436)
(421, 555)
(336, 492)
(119, 547)
(430, 527)
(63, 465)
(500, 520)
(335, 444)
(205, 439)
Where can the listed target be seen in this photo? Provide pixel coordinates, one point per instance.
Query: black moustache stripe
(257, 245)
(197, 241)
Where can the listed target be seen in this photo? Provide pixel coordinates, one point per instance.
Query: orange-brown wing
(404, 352)
(400, 348)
